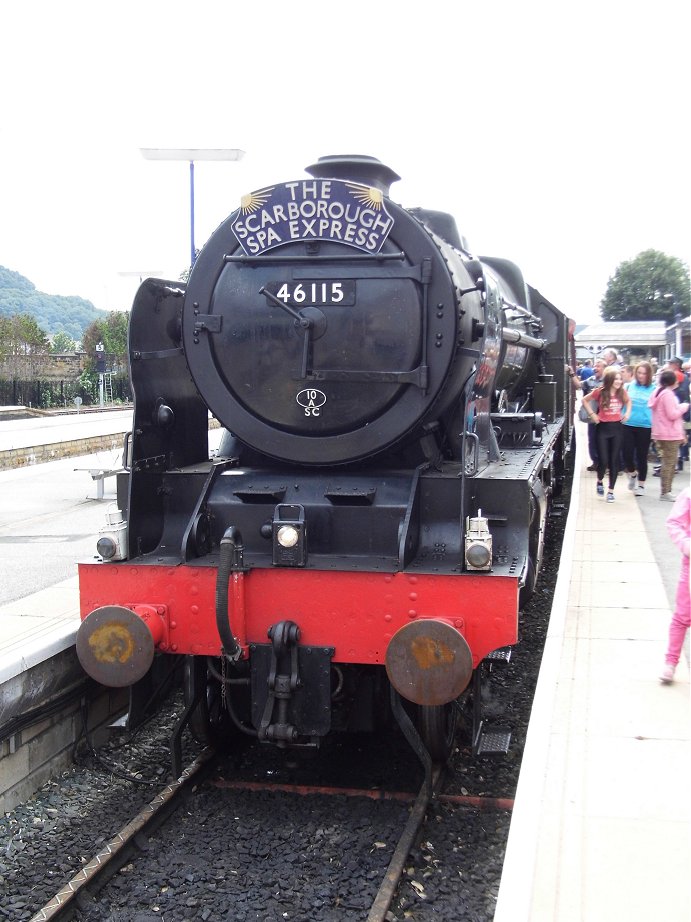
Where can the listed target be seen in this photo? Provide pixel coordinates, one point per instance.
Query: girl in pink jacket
(679, 528)
(668, 429)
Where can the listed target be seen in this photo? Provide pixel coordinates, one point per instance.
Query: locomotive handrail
(522, 311)
(523, 339)
(471, 467)
(323, 257)
(374, 272)
(416, 376)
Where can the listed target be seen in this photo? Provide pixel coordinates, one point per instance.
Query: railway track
(328, 844)
(108, 860)
(246, 844)
(393, 835)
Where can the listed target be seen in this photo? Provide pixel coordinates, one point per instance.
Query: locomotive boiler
(396, 420)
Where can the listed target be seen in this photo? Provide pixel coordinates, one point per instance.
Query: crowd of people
(638, 415)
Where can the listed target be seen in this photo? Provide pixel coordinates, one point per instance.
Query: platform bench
(99, 473)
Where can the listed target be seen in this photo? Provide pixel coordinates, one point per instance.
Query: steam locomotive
(396, 420)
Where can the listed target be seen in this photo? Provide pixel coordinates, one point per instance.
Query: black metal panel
(355, 519)
(170, 418)
(309, 708)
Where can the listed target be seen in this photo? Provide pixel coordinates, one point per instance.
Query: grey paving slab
(601, 828)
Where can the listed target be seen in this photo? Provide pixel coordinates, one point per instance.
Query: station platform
(37, 627)
(39, 439)
(601, 828)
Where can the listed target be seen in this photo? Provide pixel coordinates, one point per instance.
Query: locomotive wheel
(209, 722)
(436, 725)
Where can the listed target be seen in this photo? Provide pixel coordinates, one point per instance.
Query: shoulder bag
(583, 412)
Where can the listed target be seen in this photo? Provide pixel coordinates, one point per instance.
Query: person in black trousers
(587, 386)
(613, 409)
(637, 430)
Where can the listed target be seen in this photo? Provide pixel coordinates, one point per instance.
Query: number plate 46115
(303, 294)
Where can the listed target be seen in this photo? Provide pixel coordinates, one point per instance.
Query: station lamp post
(191, 155)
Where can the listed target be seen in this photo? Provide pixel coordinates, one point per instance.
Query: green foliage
(112, 332)
(21, 335)
(88, 386)
(652, 286)
(62, 344)
(54, 313)
(10, 279)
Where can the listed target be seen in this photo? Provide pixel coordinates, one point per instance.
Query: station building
(635, 339)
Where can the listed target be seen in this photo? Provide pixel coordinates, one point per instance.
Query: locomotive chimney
(355, 167)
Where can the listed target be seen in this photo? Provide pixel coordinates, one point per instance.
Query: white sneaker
(632, 481)
(667, 498)
(667, 674)
(640, 490)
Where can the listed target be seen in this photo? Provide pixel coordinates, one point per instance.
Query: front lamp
(478, 543)
(289, 535)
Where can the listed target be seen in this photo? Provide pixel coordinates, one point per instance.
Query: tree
(112, 332)
(62, 344)
(652, 286)
(21, 335)
(21, 338)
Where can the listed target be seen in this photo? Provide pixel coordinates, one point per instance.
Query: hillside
(52, 313)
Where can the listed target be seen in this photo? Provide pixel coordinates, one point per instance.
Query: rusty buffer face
(115, 646)
(429, 662)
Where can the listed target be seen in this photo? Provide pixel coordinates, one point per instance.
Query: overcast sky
(557, 135)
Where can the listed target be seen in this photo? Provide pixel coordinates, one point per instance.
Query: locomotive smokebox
(115, 645)
(429, 662)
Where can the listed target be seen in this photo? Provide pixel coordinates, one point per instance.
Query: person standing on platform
(676, 365)
(679, 528)
(587, 385)
(586, 370)
(638, 428)
(685, 450)
(612, 359)
(667, 429)
(614, 408)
